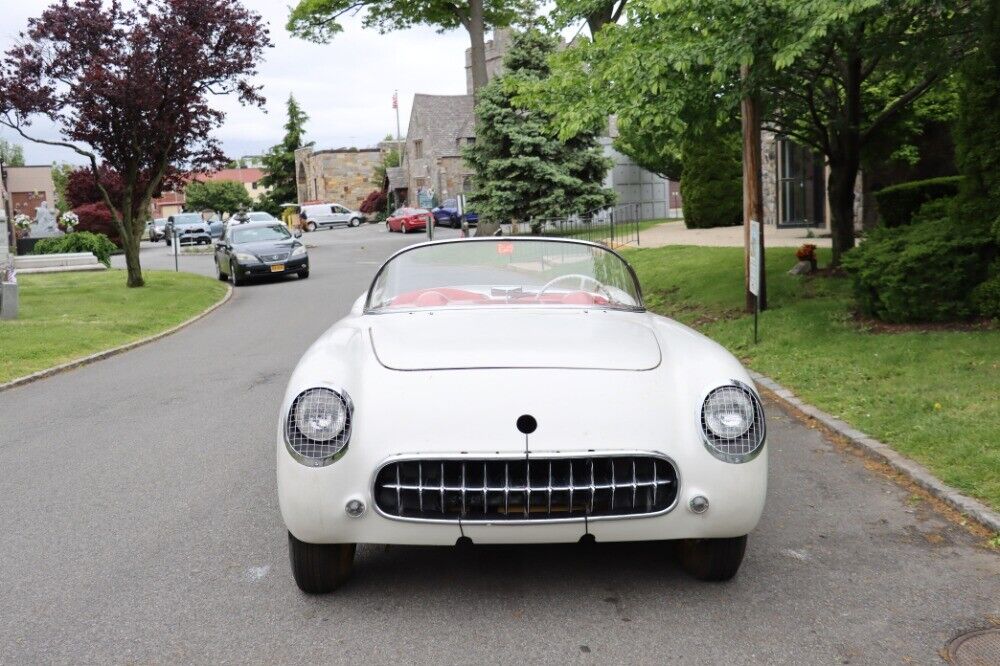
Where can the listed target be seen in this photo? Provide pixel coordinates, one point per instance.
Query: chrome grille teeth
(573, 488)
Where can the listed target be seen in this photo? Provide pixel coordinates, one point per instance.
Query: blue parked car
(447, 214)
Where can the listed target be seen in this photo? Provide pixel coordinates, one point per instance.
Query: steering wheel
(583, 280)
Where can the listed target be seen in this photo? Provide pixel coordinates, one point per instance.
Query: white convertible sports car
(572, 413)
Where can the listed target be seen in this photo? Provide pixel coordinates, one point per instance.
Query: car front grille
(519, 489)
(274, 257)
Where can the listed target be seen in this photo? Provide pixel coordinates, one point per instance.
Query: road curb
(114, 351)
(915, 472)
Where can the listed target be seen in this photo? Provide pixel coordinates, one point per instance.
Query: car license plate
(277, 268)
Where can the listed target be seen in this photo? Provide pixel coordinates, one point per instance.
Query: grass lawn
(932, 395)
(65, 316)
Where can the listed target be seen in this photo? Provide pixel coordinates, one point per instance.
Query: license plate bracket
(277, 268)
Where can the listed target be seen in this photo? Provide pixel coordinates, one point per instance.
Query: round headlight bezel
(318, 452)
(745, 446)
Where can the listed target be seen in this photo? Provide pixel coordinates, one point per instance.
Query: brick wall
(337, 176)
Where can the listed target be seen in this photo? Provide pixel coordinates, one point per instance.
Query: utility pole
(753, 202)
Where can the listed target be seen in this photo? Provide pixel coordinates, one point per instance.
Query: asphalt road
(140, 524)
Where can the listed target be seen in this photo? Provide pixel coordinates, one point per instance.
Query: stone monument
(45, 222)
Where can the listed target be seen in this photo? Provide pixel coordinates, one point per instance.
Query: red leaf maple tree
(129, 89)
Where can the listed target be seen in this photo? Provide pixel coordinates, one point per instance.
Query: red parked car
(408, 219)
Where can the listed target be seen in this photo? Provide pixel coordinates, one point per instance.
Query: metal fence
(614, 226)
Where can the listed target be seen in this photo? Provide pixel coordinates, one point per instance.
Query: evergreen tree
(279, 162)
(523, 170)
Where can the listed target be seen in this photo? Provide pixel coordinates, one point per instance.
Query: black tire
(310, 226)
(168, 242)
(222, 276)
(402, 228)
(712, 559)
(355, 222)
(319, 568)
(303, 274)
(237, 280)
(455, 224)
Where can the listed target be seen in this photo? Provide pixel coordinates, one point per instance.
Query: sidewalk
(675, 233)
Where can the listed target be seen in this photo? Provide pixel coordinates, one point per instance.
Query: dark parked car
(191, 228)
(447, 213)
(257, 249)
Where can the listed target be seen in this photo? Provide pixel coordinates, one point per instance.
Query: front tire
(222, 276)
(237, 280)
(455, 224)
(303, 274)
(310, 226)
(355, 222)
(402, 228)
(712, 559)
(319, 568)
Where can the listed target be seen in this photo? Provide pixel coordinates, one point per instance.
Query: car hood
(266, 247)
(515, 338)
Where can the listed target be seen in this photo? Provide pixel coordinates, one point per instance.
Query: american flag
(395, 99)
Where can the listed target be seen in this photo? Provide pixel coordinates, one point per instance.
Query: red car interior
(444, 296)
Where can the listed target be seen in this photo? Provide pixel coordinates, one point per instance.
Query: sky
(345, 87)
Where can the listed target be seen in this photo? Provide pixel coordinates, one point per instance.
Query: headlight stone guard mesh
(746, 446)
(312, 452)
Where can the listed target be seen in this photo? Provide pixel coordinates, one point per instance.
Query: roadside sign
(755, 258)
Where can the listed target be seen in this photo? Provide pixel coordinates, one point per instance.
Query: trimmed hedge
(922, 272)
(79, 241)
(897, 204)
(712, 182)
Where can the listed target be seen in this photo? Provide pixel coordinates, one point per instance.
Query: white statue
(45, 222)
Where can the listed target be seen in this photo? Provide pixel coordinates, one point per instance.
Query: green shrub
(986, 297)
(897, 204)
(79, 241)
(712, 182)
(920, 272)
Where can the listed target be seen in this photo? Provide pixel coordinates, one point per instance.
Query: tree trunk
(843, 174)
(845, 162)
(477, 39)
(753, 201)
(131, 238)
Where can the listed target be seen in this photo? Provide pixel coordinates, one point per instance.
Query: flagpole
(395, 104)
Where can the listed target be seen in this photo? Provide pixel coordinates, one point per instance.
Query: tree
(597, 13)
(833, 76)
(390, 158)
(712, 184)
(523, 169)
(11, 154)
(977, 132)
(279, 161)
(318, 20)
(223, 196)
(130, 87)
(60, 181)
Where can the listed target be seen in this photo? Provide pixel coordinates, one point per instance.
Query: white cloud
(346, 86)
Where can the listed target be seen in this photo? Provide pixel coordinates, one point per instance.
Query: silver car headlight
(318, 426)
(299, 251)
(246, 258)
(732, 423)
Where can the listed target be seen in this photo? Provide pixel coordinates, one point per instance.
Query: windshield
(260, 217)
(272, 232)
(505, 272)
(188, 218)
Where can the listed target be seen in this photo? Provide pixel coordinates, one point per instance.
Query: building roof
(445, 120)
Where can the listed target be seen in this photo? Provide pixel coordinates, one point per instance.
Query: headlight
(246, 258)
(318, 426)
(732, 423)
(299, 251)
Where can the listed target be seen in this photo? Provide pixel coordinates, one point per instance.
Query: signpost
(755, 249)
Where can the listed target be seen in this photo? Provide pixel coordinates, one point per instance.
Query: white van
(315, 216)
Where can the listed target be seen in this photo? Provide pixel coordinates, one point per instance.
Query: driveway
(140, 524)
